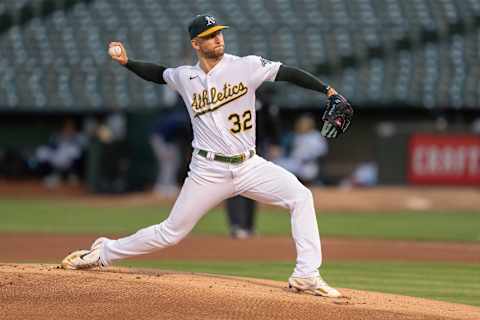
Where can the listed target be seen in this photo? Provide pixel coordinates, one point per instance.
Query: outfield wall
(377, 135)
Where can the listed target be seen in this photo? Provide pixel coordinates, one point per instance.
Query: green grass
(458, 283)
(68, 217)
(450, 282)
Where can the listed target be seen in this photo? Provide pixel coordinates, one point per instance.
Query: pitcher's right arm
(145, 70)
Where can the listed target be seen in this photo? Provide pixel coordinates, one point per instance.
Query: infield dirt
(384, 199)
(31, 247)
(46, 292)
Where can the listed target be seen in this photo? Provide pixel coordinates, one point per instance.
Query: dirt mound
(49, 248)
(45, 292)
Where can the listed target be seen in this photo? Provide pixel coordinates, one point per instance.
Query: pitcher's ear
(195, 44)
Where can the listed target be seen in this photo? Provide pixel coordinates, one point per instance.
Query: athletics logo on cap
(203, 25)
(210, 20)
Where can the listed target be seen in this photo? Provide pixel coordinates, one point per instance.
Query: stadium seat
(386, 52)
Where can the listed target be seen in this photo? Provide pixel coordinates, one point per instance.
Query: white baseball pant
(210, 182)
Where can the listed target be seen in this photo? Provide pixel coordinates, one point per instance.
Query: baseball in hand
(115, 51)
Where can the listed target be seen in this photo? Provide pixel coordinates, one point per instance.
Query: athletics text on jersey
(221, 103)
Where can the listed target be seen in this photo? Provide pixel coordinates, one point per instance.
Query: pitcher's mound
(46, 292)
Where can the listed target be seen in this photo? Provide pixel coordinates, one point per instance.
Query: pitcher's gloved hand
(337, 116)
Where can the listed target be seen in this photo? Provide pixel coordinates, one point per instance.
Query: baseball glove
(337, 116)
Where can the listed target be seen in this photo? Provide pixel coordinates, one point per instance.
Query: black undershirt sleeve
(301, 78)
(146, 70)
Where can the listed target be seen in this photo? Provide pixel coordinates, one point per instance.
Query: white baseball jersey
(221, 103)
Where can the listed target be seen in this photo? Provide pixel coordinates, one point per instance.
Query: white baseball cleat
(313, 285)
(85, 259)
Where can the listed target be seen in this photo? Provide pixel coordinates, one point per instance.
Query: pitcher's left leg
(266, 182)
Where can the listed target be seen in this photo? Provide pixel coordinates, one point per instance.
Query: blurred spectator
(108, 153)
(364, 175)
(62, 157)
(113, 128)
(305, 148)
(164, 139)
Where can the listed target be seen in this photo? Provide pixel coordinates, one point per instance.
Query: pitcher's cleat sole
(317, 292)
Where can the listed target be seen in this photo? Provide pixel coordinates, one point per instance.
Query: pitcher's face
(211, 46)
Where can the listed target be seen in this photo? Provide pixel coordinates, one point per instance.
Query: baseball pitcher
(219, 92)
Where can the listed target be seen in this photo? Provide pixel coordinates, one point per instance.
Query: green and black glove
(337, 116)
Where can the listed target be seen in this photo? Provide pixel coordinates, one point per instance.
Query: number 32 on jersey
(240, 122)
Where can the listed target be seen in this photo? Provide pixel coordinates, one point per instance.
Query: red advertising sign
(444, 159)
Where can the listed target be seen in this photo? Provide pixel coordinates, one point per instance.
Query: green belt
(239, 158)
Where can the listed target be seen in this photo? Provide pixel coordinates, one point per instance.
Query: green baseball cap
(203, 25)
